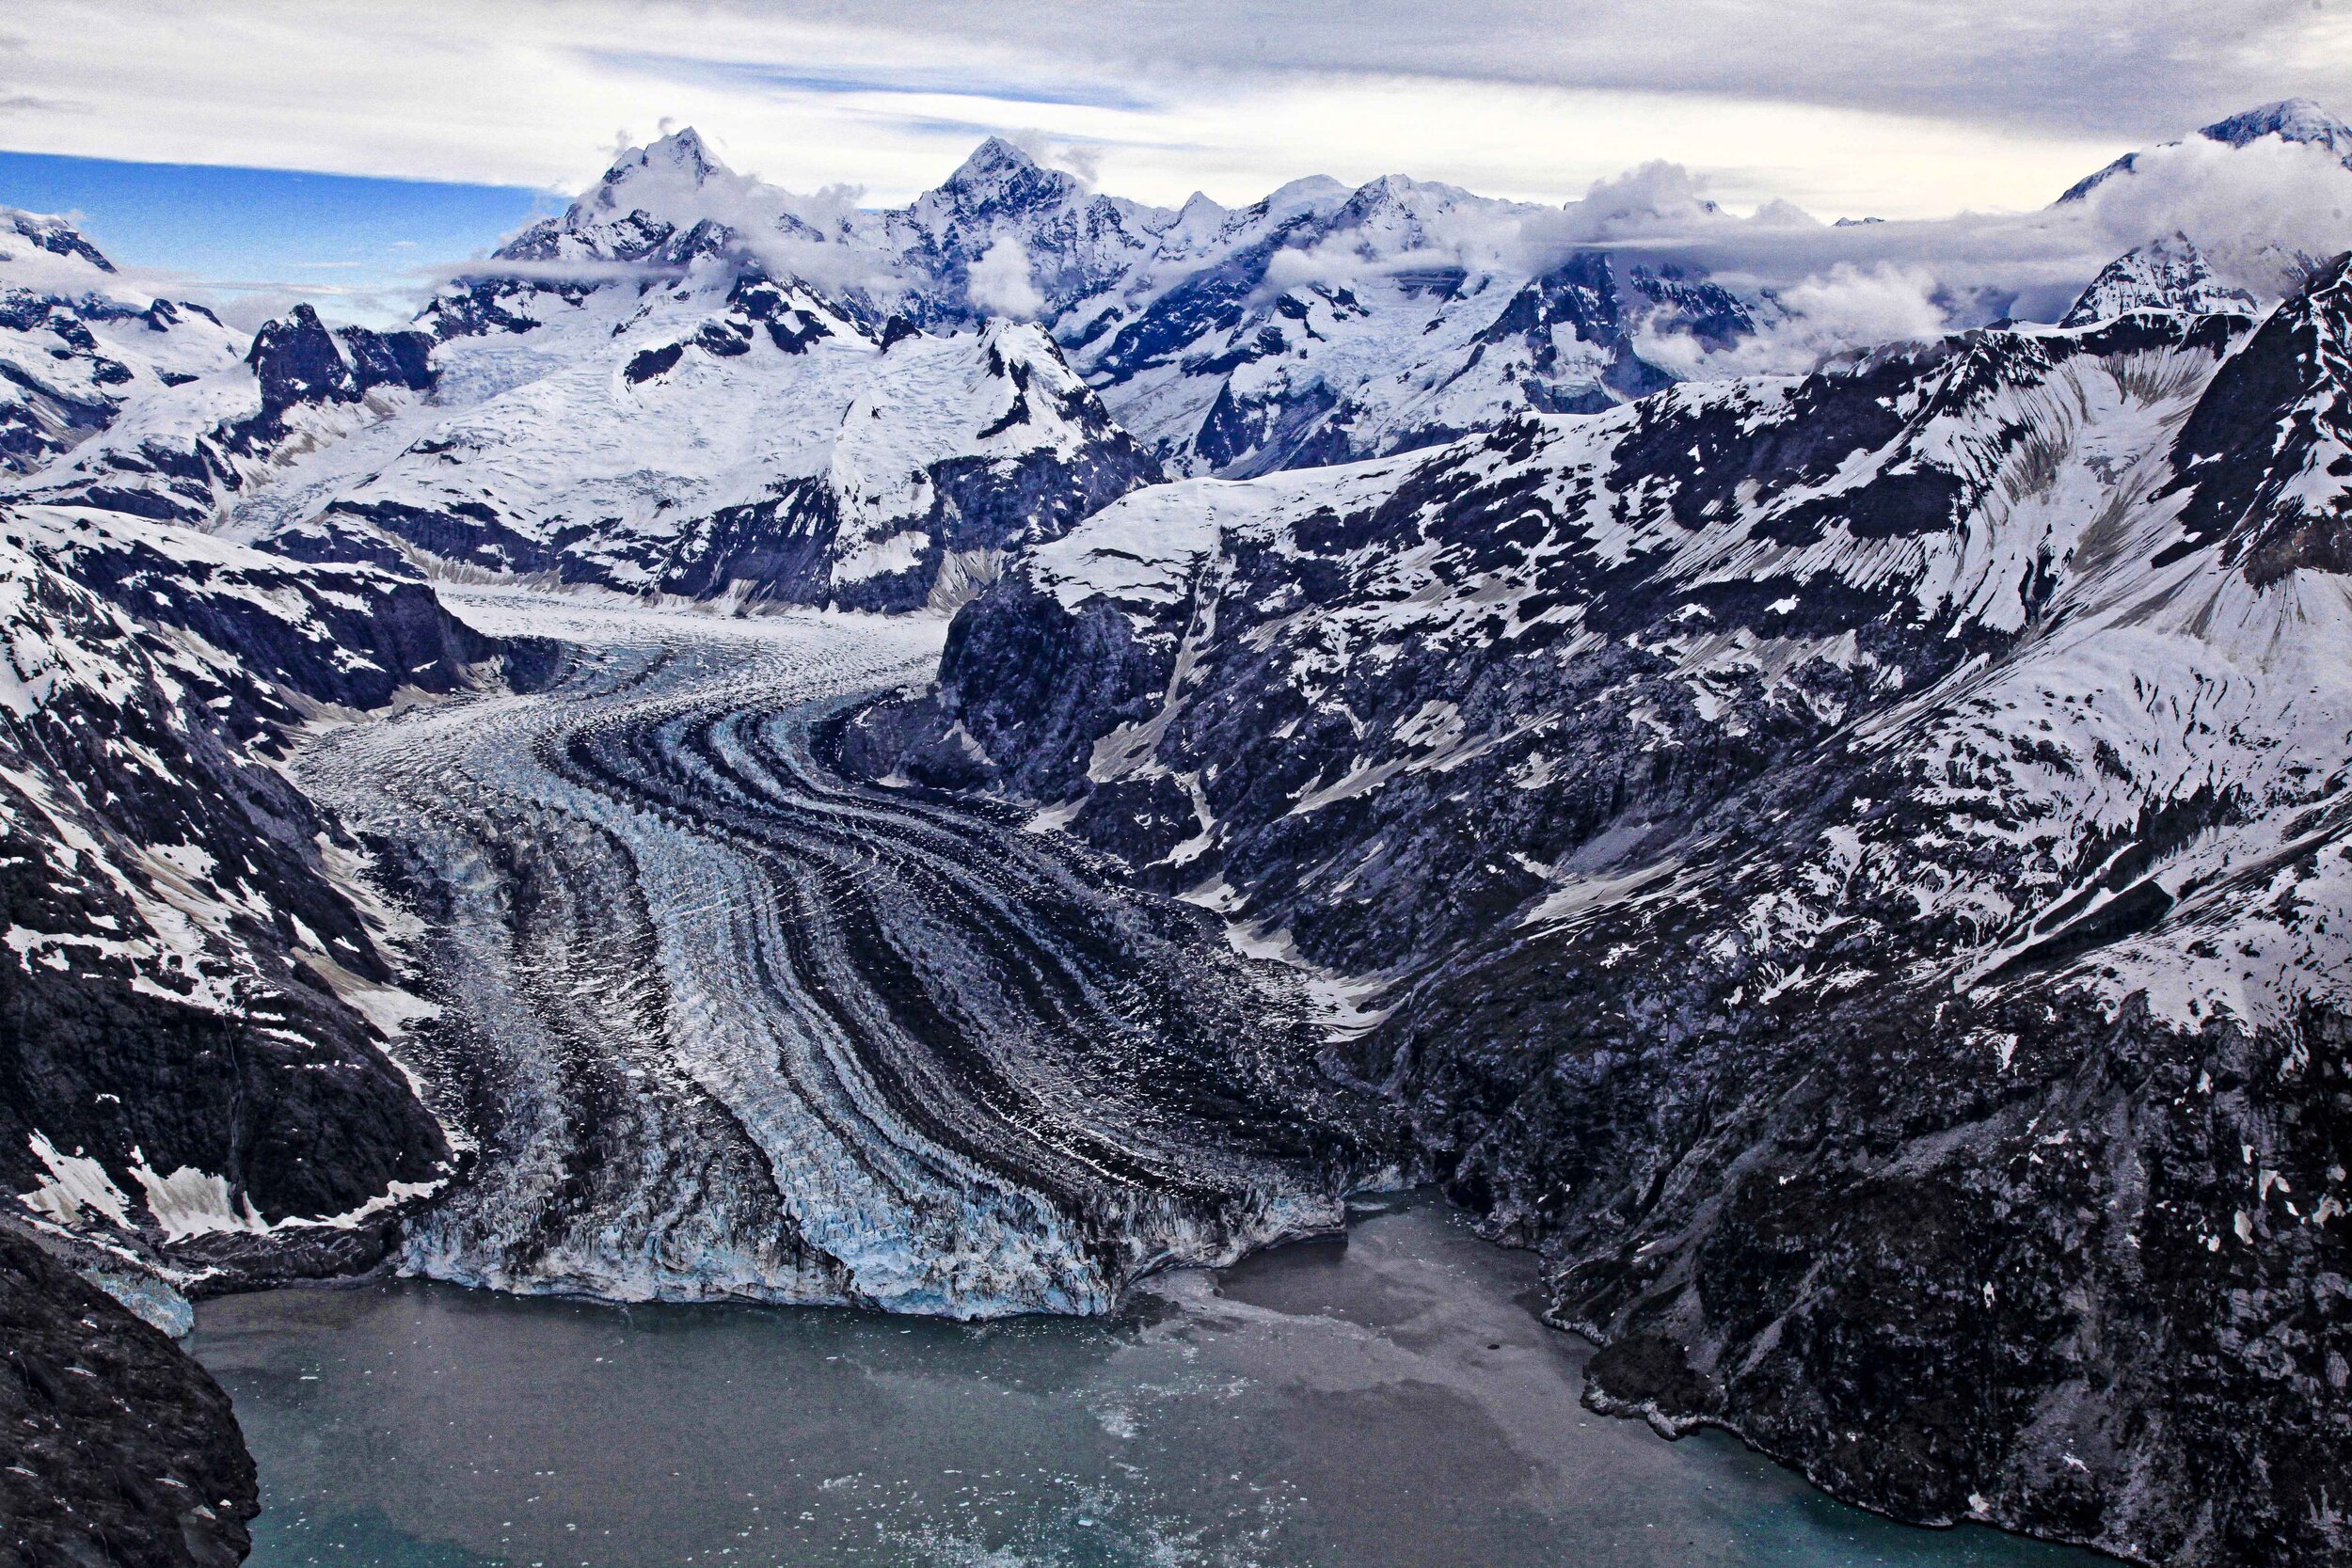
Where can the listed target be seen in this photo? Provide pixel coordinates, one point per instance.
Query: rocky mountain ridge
(1321, 321)
(1799, 846)
(2166, 274)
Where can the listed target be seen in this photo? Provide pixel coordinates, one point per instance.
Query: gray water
(1388, 1400)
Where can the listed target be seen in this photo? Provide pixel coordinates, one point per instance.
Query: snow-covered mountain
(192, 452)
(1852, 865)
(775, 452)
(1856, 867)
(195, 991)
(720, 436)
(693, 382)
(1005, 235)
(2166, 274)
(1320, 322)
(78, 341)
(682, 425)
(2290, 120)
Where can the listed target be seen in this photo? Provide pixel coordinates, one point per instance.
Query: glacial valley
(722, 772)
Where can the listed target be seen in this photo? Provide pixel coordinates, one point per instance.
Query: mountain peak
(996, 163)
(2168, 273)
(649, 194)
(53, 235)
(994, 154)
(2296, 120)
(999, 178)
(681, 155)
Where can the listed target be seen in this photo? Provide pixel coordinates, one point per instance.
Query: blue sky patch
(258, 231)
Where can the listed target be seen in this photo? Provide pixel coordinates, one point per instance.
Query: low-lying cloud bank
(2259, 214)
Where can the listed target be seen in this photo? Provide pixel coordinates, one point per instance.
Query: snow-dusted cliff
(1853, 866)
(197, 993)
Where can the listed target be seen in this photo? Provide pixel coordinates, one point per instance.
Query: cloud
(27, 104)
(1305, 267)
(1846, 307)
(1658, 196)
(1845, 106)
(1081, 159)
(878, 77)
(582, 269)
(2253, 211)
(999, 282)
(2123, 67)
(2249, 209)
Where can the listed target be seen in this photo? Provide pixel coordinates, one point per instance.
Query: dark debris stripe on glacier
(725, 1024)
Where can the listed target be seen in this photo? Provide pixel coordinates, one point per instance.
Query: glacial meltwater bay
(1388, 1400)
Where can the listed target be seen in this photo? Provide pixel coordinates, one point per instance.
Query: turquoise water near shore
(1389, 1400)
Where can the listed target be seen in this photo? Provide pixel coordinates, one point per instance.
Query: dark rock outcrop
(116, 1450)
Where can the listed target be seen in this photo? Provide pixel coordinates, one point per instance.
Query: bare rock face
(1855, 870)
(116, 1450)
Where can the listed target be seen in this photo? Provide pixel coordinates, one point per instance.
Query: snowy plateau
(947, 759)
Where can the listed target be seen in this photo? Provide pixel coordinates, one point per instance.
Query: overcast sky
(1898, 108)
(1903, 107)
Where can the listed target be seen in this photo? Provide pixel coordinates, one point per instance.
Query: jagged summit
(686, 148)
(656, 175)
(2291, 119)
(664, 202)
(2166, 274)
(998, 179)
(994, 160)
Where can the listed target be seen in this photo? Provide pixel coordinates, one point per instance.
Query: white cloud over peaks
(2249, 209)
(1657, 196)
(1079, 158)
(999, 283)
(1846, 307)
(1664, 207)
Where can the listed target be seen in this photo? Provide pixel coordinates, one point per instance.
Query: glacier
(719, 1021)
